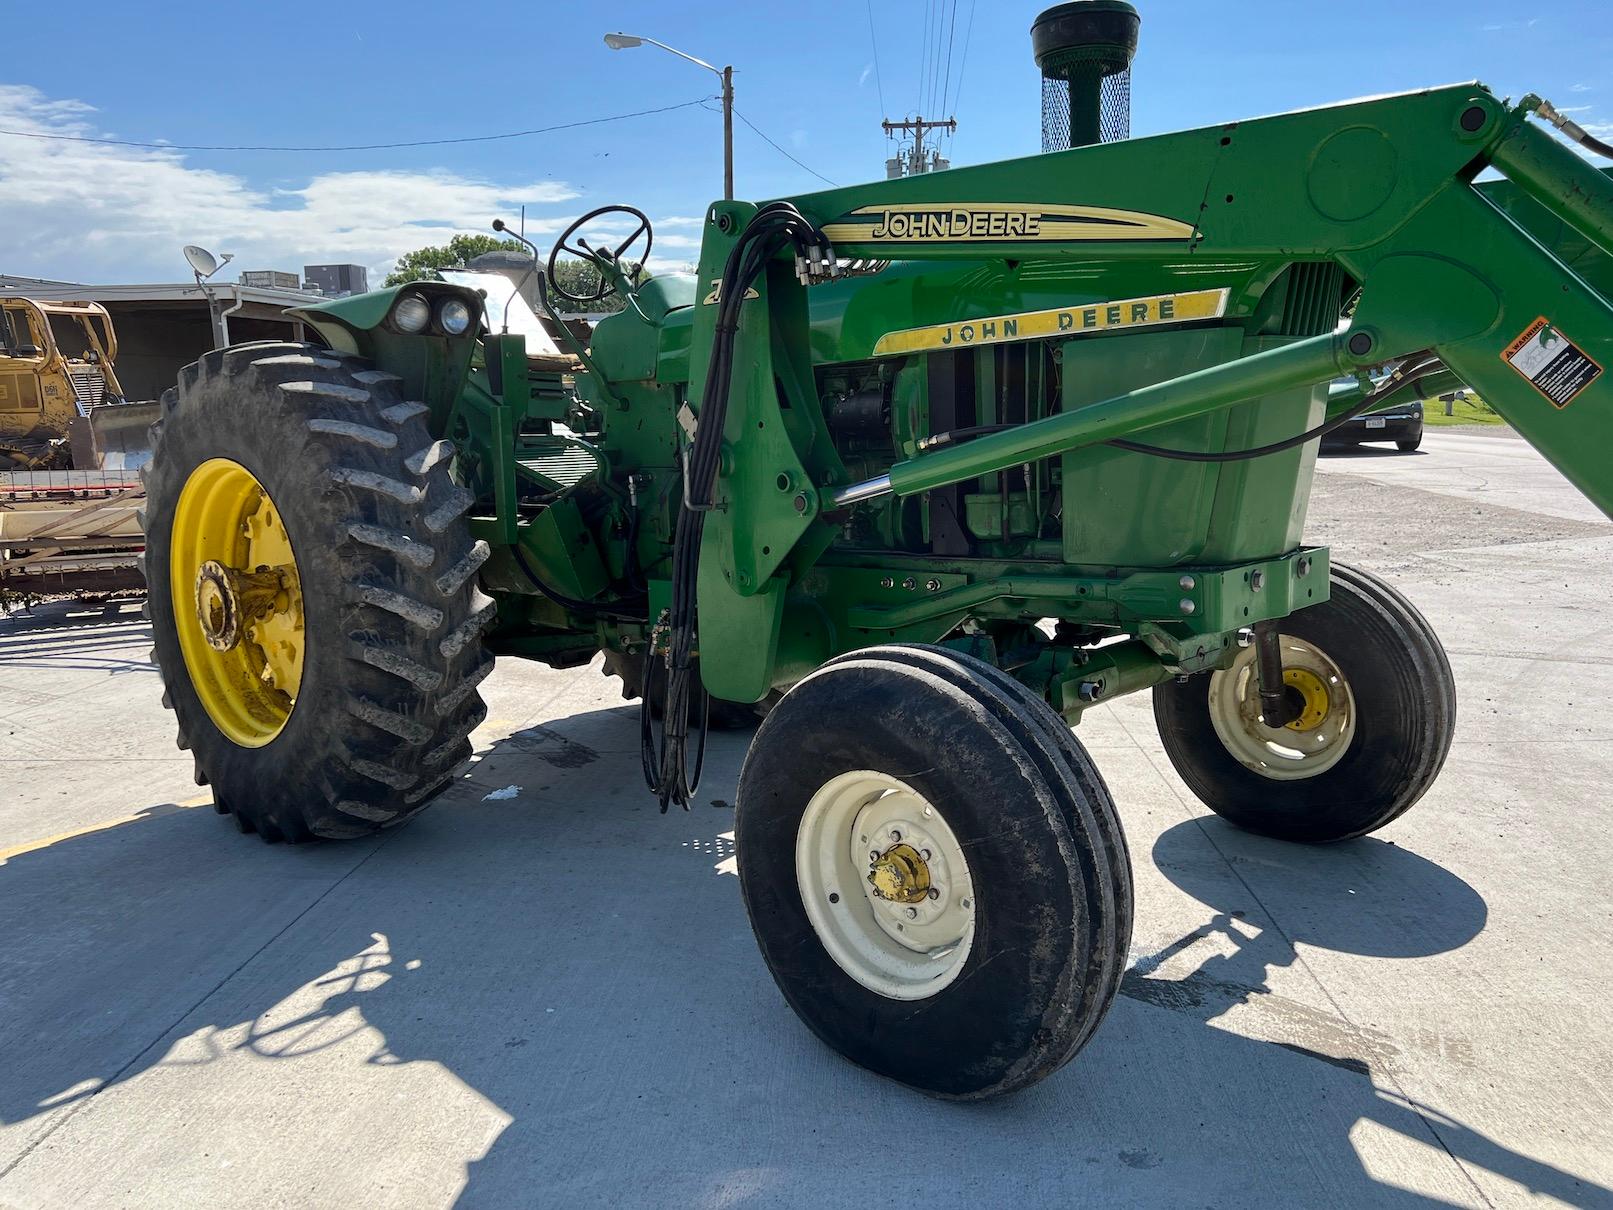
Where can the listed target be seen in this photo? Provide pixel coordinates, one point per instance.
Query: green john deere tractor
(928, 467)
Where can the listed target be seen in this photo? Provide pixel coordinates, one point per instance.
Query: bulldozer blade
(112, 436)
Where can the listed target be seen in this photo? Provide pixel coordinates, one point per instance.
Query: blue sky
(366, 71)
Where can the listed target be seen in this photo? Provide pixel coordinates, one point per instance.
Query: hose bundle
(666, 766)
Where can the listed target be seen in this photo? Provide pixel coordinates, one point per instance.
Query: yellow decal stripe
(1060, 321)
(928, 223)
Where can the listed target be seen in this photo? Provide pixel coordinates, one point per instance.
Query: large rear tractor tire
(313, 591)
(1379, 711)
(934, 871)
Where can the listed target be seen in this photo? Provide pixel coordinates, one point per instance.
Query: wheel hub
(1312, 691)
(900, 875)
(227, 597)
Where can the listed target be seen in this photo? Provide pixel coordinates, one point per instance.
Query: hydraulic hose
(1401, 376)
(667, 770)
(586, 608)
(1573, 130)
(1405, 373)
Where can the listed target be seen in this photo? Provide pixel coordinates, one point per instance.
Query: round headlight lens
(411, 313)
(454, 316)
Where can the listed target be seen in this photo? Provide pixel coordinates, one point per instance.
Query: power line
(928, 84)
(924, 55)
(952, 31)
(963, 67)
(878, 79)
(784, 153)
(478, 138)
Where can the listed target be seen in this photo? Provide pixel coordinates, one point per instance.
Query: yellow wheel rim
(237, 602)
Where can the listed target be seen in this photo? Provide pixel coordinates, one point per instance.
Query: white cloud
(95, 212)
(867, 71)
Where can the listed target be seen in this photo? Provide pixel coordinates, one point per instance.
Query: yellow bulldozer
(56, 366)
(70, 450)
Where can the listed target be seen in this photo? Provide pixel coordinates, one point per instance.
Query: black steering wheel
(601, 257)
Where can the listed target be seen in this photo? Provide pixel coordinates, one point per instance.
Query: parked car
(1401, 423)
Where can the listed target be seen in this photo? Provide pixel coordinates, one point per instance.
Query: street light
(725, 74)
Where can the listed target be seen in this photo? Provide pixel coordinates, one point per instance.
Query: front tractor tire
(934, 871)
(1379, 710)
(312, 591)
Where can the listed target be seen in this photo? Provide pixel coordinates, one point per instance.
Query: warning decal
(1554, 365)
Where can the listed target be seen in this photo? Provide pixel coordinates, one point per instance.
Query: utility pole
(728, 133)
(913, 161)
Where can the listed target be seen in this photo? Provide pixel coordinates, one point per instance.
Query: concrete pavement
(552, 997)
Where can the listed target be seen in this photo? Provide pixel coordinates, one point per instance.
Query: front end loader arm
(1510, 319)
(1387, 191)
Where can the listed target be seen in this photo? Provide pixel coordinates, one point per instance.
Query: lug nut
(924, 853)
(873, 857)
(912, 913)
(896, 837)
(935, 892)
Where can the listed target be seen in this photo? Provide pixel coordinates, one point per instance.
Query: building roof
(60, 291)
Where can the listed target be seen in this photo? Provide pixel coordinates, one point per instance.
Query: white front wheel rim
(1312, 744)
(901, 949)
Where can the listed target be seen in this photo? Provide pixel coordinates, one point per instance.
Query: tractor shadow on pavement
(555, 996)
(81, 636)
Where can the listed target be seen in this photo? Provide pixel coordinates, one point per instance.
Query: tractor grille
(89, 386)
(565, 467)
(1316, 293)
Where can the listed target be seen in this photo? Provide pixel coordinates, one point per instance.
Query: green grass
(1471, 410)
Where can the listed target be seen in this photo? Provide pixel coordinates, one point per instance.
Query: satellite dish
(201, 260)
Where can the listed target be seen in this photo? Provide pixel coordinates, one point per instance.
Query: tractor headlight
(411, 313)
(453, 316)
